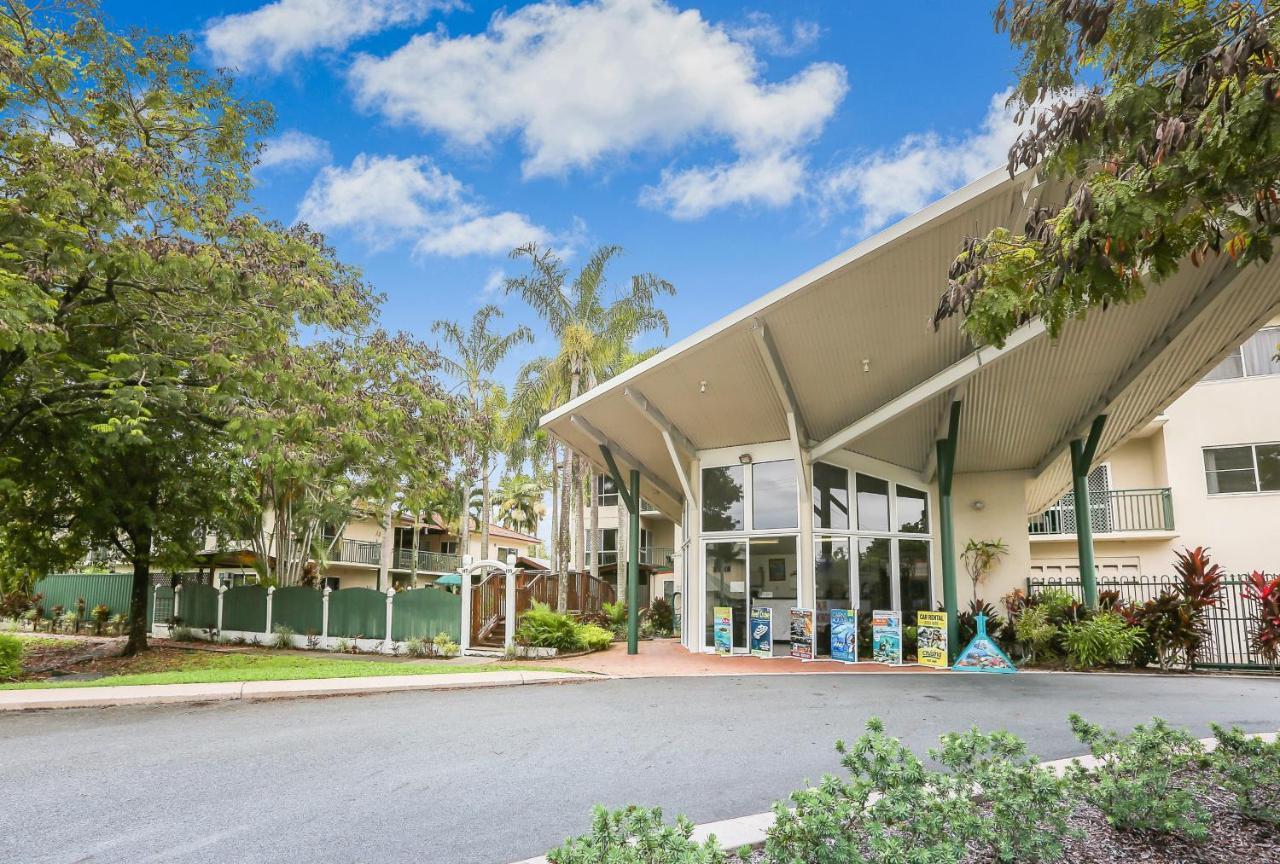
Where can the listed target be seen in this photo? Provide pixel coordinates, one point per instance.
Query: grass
(202, 667)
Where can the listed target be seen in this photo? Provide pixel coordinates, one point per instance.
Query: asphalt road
(490, 776)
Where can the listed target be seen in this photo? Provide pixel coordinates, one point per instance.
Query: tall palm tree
(593, 332)
(519, 505)
(476, 354)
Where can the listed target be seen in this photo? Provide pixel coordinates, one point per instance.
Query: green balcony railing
(428, 562)
(1114, 511)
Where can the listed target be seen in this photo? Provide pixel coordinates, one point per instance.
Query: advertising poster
(982, 654)
(931, 649)
(844, 635)
(723, 620)
(802, 633)
(886, 637)
(761, 631)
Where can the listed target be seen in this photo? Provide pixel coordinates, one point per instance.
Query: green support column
(1082, 453)
(946, 529)
(633, 568)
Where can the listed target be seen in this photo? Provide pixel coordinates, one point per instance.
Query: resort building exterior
(660, 543)
(825, 447)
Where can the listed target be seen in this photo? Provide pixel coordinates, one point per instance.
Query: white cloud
(294, 149)
(388, 199)
(606, 78)
(760, 29)
(492, 290)
(773, 180)
(279, 32)
(892, 183)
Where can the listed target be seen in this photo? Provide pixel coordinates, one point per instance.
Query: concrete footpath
(231, 691)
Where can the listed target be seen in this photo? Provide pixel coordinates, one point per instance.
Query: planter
(529, 652)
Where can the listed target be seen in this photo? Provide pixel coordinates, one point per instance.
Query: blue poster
(982, 654)
(723, 620)
(844, 635)
(886, 637)
(761, 631)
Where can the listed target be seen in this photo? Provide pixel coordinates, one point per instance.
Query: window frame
(1257, 475)
(1245, 373)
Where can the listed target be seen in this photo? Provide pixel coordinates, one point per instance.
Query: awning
(448, 579)
(847, 355)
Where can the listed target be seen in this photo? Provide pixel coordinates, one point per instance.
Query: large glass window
(773, 495)
(831, 585)
(1255, 357)
(722, 507)
(1246, 468)
(726, 569)
(830, 496)
(913, 511)
(873, 503)
(875, 585)
(606, 492)
(913, 577)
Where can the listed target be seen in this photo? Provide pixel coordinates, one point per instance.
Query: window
(1255, 357)
(875, 586)
(913, 511)
(913, 575)
(606, 492)
(873, 503)
(722, 507)
(773, 495)
(449, 547)
(1246, 468)
(830, 496)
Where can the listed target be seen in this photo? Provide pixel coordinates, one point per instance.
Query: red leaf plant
(1265, 591)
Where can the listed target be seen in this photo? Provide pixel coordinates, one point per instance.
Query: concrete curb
(168, 694)
(751, 830)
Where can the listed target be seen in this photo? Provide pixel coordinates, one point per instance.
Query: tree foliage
(1161, 117)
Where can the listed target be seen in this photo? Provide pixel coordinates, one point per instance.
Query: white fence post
(391, 596)
(271, 590)
(151, 625)
(324, 616)
(222, 589)
(176, 615)
(509, 637)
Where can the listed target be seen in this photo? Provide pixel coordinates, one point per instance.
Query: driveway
(491, 776)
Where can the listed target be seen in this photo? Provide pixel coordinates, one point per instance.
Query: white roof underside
(873, 303)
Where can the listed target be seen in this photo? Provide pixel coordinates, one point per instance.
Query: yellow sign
(931, 647)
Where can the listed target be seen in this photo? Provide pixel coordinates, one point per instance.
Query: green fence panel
(358, 612)
(198, 606)
(245, 608)
(161, 605)
(65, 589)
(421, 613)
(298, 608)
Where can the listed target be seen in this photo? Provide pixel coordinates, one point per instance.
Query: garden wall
(108, 589)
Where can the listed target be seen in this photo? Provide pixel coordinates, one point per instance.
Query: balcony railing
(428, 562)
(1115, 511)
(354, 551)
(658, 556)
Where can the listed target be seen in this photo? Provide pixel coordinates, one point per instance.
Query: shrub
(616, 615)
(967, 622)
(1104, 639)
(1062, 605)
(71, 621)
(637, 835)
(1248, 768)
(417, 648)
(10, 656)
(1034, 631)
(1265, 592)
(16, 604)
(445, 646)
(182, 633)
(540, 627)
(890, 809)
(282, 636)
(1144, 780)
(342, 646)
(100, 614)
(1025, 808)
(118, 623)
(662, 616)
(593, 638)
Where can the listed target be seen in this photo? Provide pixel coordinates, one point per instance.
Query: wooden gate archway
(488, 603)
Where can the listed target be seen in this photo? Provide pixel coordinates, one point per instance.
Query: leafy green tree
(519, 505)
(142, 305)
(594, 333)
(1162, 117)
(476, 355)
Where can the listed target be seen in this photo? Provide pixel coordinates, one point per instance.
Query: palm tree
(593, 334)
(519, 505)
(477, 353)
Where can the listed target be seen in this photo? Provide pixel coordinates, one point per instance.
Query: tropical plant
(101, 613)
(519, 505)
(282, 636)
(1175, 621)
(444, 646)
(1100, 640)
(1161, 117)
(594, 341)
(980, 558)
(541, 627)
(10, 656)
(591, 637)
(967, 622)
(16, 603)
(1249, 768)
(1034, 631)
(636, 835)
(1143, 781)
(182, 633)
(615, 615)
(1264, 591)
(476, 353)
(662, 615)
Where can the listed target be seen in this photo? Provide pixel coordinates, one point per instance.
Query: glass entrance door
(774, 580)
(726, 578)
(835, 586)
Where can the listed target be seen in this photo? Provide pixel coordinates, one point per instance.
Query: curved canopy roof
(849, 348)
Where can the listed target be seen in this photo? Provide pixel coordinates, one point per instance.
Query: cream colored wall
(1003, 517)
(1240, 529)
(1133, 464)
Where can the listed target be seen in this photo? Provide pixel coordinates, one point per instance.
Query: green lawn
(198, 667)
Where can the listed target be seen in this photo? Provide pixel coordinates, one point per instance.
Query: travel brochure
(723, 629)
(802, 633)
(886, 637)
(931, 640)
(761, 631)
(844, 635)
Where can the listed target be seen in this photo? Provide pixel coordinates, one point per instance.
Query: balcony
(354, 551)
(657, 556)
(1115, 511)
(428, 562)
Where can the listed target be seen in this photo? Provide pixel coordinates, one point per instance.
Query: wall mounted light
(702, 386)
(745, 458)
(978, 505)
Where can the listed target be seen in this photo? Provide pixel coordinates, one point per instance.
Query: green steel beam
(616, 475)
(1082, 454)
(633, 569)
(946, 530)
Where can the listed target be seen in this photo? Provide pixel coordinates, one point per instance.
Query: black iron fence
(1231, 623)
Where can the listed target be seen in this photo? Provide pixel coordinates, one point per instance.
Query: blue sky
(726, 147)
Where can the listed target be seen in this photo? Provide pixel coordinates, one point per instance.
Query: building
(824, 447)
(660, 543)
